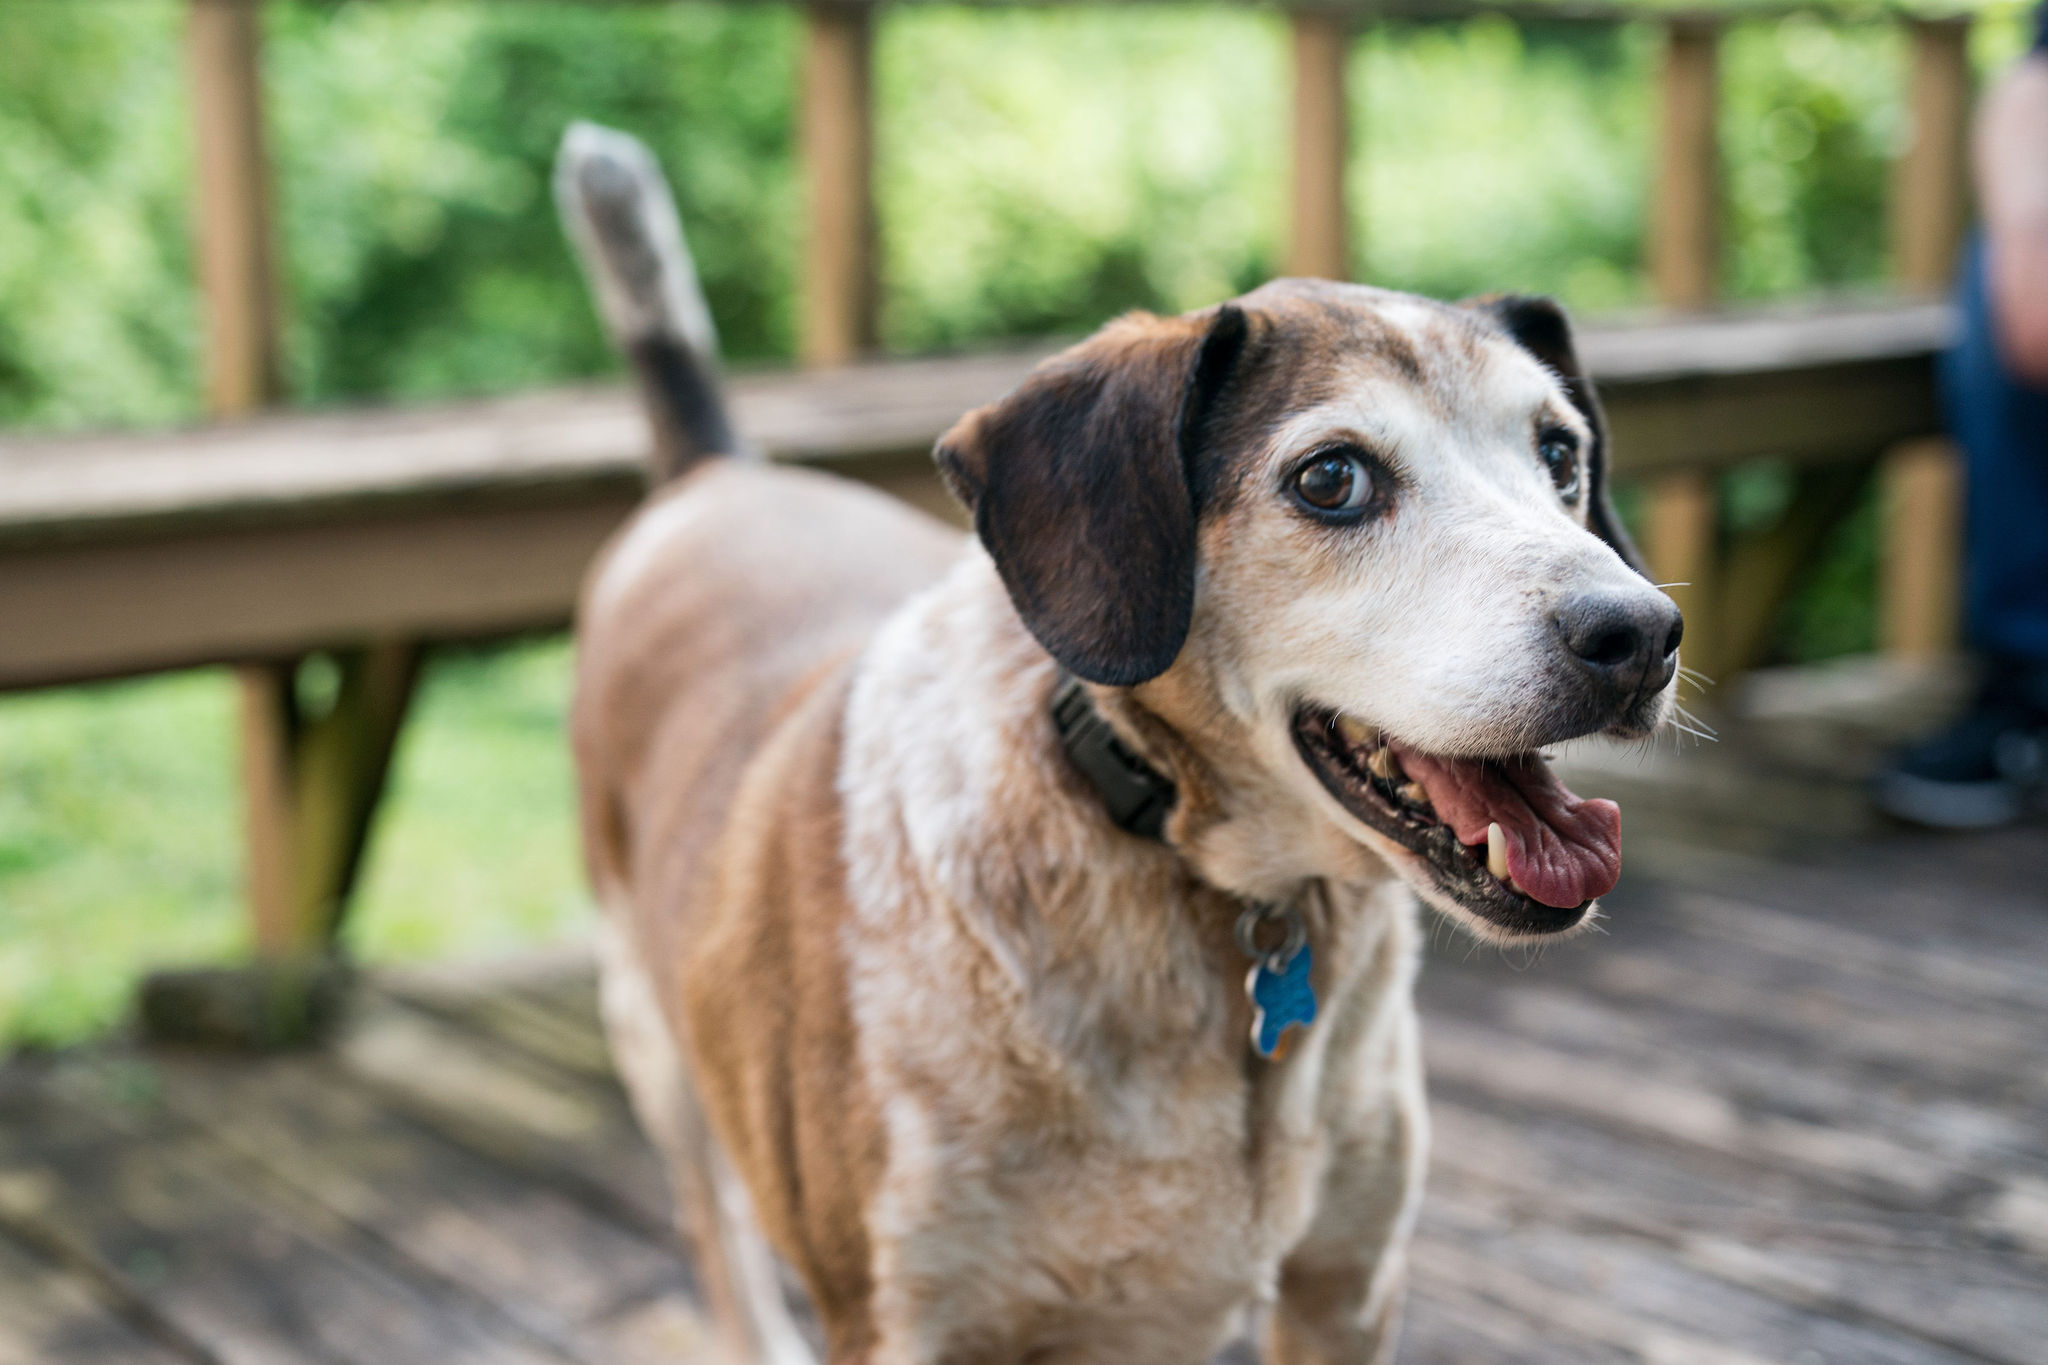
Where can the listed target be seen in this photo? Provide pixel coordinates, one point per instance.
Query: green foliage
(414, 144)
(1040, 171)
(476, 850)
(1835, 611)
(96, 304)
(1497, 159)
(1808, 127)
(117, 845)
(1037, 171)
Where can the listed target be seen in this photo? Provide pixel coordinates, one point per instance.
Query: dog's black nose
(1628, 643)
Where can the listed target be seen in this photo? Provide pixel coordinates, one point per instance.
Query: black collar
(1136, 795)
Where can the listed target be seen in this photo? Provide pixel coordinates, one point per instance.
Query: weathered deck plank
(1778, 1112)
(564, 1272)
(1630, 1294)
(554, 1126)
(51, 1316)
(237, 1261)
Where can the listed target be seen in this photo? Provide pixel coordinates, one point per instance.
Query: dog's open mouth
(1502, 837)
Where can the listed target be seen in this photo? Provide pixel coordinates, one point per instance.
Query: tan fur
(895, 995)
(716, 634)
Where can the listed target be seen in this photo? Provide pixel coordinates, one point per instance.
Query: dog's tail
(618, 211)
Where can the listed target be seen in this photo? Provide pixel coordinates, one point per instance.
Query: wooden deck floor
(1782, 1113)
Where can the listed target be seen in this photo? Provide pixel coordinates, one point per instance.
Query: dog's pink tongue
(1562, 851)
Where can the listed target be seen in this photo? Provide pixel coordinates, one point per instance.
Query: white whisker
(1699, 725)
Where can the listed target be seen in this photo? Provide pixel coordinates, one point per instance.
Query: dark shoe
(1984, 770)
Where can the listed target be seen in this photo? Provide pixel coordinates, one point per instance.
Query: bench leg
(1763, 568)
(1733, 594)
(1920, 585)
(310, 784)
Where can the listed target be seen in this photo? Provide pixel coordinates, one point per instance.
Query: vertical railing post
(310, 783)
(1930, 181)
(1684, 251)
(237, 277)
(1921, 507)
(238, 302)
(1920, 560)
(1685, 205)
(837, 144)
(1319, 244)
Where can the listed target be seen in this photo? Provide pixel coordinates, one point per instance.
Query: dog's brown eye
(1334, 482)
(1559, 450)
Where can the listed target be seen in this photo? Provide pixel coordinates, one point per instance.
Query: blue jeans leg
(2002, 426)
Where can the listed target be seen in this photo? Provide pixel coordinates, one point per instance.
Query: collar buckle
(1137, 797)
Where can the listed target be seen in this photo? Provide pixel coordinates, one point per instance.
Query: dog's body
(978, 1054)
(893, 991)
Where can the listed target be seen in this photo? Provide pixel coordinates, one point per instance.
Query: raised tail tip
(621, 217)
(617, 208)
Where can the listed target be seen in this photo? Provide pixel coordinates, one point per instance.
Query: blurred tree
(1498, 159)
(1038, 171)
(1810, 117)
(415, 144)
(96, 304)
(1041, 171)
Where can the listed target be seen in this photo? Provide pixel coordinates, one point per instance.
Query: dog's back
(739, 591)
(734, 592)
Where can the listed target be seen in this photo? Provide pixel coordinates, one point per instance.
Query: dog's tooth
(1413, 794)
(1496, 850)
(1383, 765)
(1356, 732)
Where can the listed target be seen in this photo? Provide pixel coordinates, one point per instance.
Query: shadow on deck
(1784, 1110)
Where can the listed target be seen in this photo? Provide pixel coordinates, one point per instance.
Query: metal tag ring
(1294, 933)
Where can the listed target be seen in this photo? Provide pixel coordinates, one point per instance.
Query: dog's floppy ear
(1540, 326)
(1080, 488)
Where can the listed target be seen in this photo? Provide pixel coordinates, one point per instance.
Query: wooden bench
(273, 537)
(366, 534)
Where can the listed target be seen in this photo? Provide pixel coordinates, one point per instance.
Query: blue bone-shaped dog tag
(1280, 1000)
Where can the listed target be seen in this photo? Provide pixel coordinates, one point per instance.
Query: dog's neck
(951, 710)
(972, 841)
(1237, 821)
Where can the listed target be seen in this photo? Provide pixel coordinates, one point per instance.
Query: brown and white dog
(894, 993)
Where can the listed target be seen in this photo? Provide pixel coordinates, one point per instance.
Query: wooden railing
(1681, 525)
(342, 572)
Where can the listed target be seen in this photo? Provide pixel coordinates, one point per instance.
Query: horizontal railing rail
(262, 538)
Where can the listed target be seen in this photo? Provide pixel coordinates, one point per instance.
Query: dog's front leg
(1341, 1286)
(1337, 1314)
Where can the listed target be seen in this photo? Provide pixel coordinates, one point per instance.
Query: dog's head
(1372, 533)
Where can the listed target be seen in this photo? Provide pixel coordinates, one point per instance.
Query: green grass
(120, 833)
(477, 850)
(117, 845)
